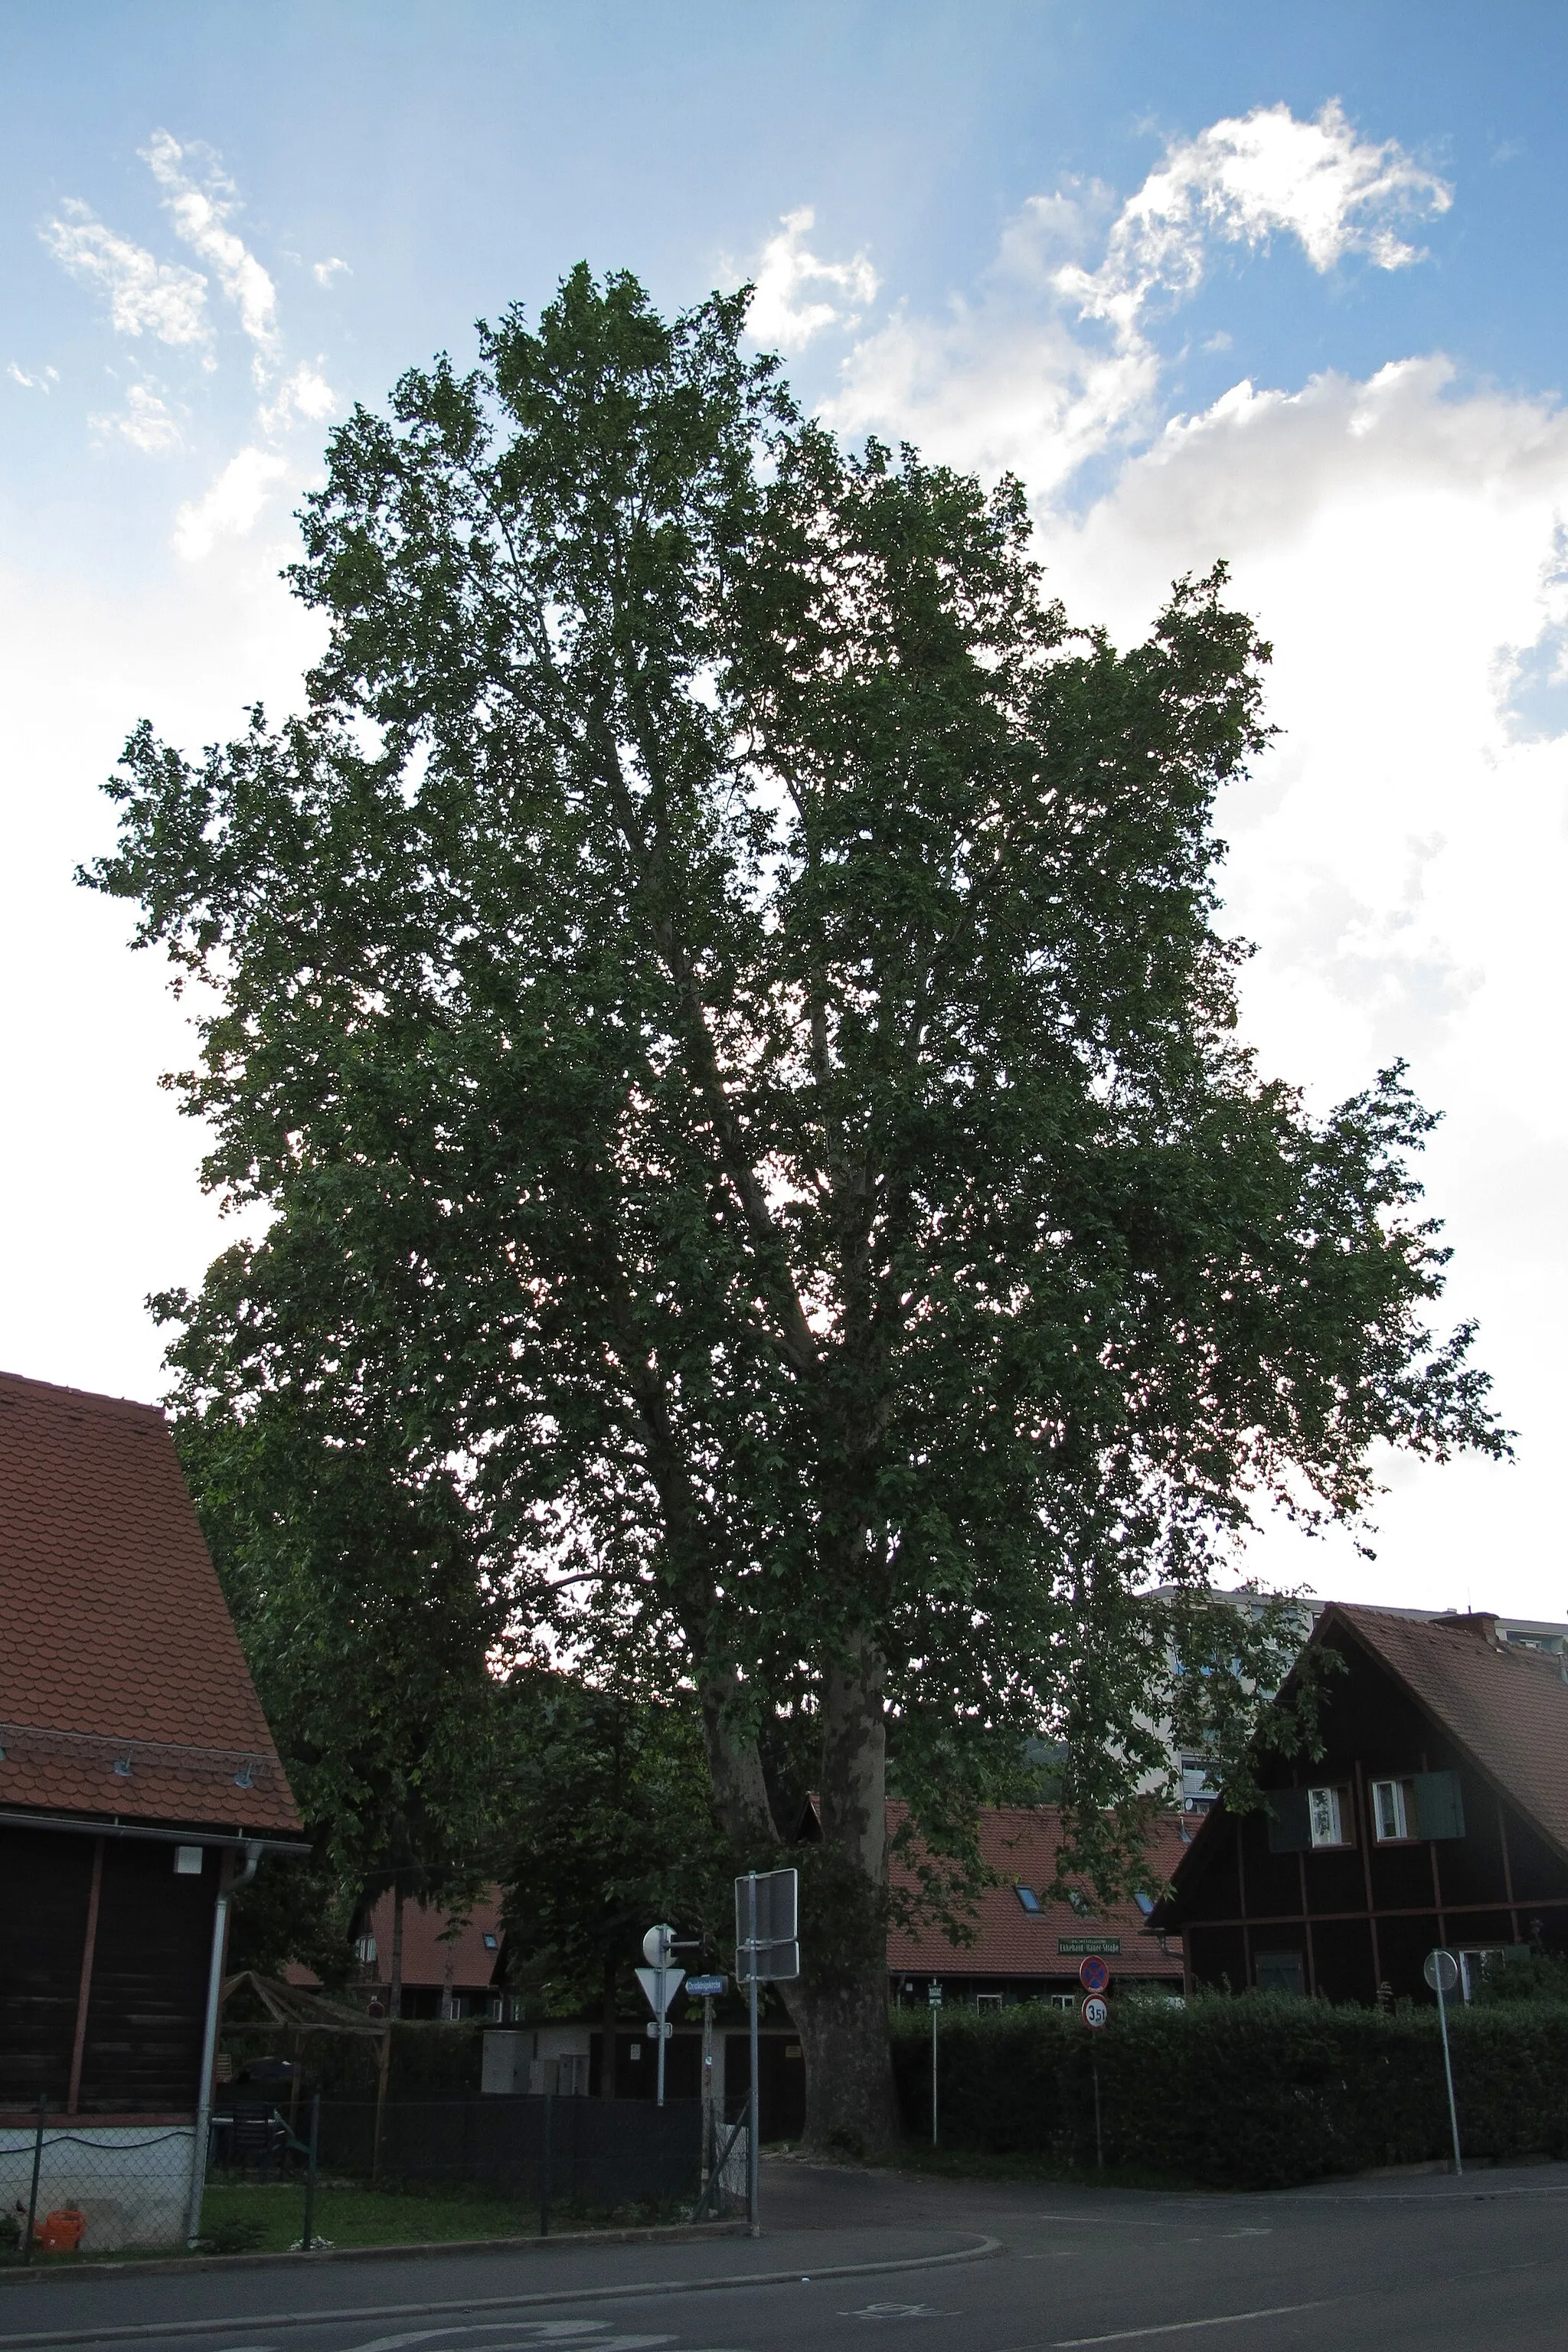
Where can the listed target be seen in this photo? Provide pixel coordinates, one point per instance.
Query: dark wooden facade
(104, 1953)
(1258, 1903)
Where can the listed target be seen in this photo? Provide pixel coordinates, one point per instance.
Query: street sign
(706, 1988)
(1069, 1946)
(659, 2029)
(1093, 1974)
(1096, 2010)
(649, 1980)
(658, 1946)
(934, 1993)
(1441, 1971)
(769, 1951)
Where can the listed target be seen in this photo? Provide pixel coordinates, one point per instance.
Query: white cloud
(305, 394)
(41, 383)
(780, 317)
(324, 272)
(1024, 377)
(200, 210)
(145, 296)
(148, 422)
(1245, 179)
(232, 505)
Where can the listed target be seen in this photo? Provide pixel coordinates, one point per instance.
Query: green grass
(245, 2216)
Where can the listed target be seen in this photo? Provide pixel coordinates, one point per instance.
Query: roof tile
(123, 1690)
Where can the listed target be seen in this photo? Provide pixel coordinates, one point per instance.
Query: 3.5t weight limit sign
(1096, 2010)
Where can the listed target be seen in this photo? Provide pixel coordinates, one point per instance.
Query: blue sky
(1279, 283)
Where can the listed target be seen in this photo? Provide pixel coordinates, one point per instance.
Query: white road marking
(1185, 2326)
(899, 2310)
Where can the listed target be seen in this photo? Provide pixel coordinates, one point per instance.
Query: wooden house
(138, 1778)
(1436, 1815)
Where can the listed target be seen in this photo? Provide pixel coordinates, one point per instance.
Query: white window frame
(1327, 1801)
(1402, 1808)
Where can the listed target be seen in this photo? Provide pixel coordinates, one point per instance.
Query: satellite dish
(658, 1944)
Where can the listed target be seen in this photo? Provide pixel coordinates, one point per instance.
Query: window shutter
(1290, 1829)
(1439, 1806)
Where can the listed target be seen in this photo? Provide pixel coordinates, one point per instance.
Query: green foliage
(1527, 1975)
(719, 996)
(1258, 2092)
(610, 1828)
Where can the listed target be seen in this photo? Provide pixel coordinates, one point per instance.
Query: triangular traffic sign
(648, 1979)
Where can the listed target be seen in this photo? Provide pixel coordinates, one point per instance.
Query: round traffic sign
(1096, 2010)
(1441, 1971)
(1093, 1974)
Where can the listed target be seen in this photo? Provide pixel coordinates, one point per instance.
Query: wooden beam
(84, 1984)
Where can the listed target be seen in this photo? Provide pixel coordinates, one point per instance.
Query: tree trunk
(841, 2007)
(395, 1990)
(607, 2022)
(840, 2003)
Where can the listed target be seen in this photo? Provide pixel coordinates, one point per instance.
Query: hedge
(430, 2060)
(1257, 2091)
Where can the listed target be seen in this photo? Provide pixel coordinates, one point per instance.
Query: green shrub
(1256, 2091)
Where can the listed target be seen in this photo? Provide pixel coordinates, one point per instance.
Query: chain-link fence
(343, 2170)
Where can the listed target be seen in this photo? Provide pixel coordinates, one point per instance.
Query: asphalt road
(856, 2260)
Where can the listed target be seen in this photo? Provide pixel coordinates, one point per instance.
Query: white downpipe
(209, 2044)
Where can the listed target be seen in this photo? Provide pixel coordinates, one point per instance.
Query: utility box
(504, 2064)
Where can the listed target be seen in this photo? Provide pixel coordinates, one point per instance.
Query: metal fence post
(1098, 2138)
(544, 2157)
(37, 2166)
(753, 2182)
(307, 2233)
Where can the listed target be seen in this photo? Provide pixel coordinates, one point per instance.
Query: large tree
(720, 989)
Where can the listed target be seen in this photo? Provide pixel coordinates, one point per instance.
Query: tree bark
(607, 2022)
(840, 2006)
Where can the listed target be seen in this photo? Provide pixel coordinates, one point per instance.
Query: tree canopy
(720, 989)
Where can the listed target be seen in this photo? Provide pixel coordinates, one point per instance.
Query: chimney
(1481, 1621)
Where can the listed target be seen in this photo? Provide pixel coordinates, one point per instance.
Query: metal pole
(209, 2044)
(1449, 2071)
(308, 2233)
(753, 2107)
(33, 2199)
(709, 2121)
(935, 2013)
(658, 2022)
(545, 2166)
(1094, 2069)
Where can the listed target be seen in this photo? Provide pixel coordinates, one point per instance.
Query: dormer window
(1028, 1900)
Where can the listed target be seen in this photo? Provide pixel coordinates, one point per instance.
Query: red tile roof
(124, 1691)
(426, 1957)
(1505, 1705)
(1022, 1843)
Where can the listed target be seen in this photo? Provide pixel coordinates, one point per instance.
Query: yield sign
(648, 1979)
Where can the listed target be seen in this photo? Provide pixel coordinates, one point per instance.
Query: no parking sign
(1093, 1974)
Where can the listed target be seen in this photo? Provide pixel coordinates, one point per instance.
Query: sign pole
(1438, 1964)
(934, 1996)
(663, 1958)
(752, 2170)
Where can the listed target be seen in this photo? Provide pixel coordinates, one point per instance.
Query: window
(1145, 1902)
(492, 1942)
(1392, 1812)
(1199, 1794)
(365, 1950)
(987, 2001)
(1079, 1904)
(1280, 1972)
(1029, 1900)
(1326, 1816)
(1063, 2000)
(1474, 1965)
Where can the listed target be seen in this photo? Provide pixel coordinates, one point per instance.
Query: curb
(672, 2233)
(161, 2330)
